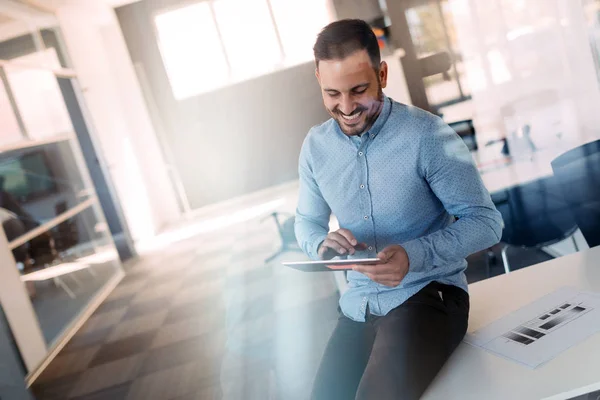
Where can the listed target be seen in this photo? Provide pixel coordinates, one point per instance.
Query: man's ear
(383, 74)
(317, 75)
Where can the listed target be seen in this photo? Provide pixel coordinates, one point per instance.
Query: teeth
(352, 117)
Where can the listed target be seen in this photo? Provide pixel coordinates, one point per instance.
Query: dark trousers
(395, 356)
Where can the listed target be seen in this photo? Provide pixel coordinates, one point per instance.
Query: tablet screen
(330, 265)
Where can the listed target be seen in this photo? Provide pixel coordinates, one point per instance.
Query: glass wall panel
(49, 210)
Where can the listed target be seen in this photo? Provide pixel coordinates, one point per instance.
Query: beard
(370, 114)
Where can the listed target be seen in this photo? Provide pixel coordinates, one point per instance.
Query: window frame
(285, 61)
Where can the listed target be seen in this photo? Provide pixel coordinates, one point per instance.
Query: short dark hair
(341, 38)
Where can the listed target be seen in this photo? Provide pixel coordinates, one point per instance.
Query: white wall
(119, 116)
(396, 87)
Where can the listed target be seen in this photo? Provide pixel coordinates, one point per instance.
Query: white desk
(473, 373)
(519, 172)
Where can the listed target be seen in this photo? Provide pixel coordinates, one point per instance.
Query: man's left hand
(391, 271)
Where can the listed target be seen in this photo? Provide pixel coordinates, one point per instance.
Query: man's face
(352, 91)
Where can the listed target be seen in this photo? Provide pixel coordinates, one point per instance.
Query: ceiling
(119, 3)
(53, 5)
(17, 19)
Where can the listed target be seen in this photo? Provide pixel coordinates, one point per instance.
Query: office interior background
(148, 176)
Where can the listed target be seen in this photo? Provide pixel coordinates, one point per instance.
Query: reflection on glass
(39, 179)
(70, 255)
(27, 176)
(38, 96)
(493, 31)
(433, 32)
(526, 16)
(64, 267)
(498, 67)
(11, 132)
(592, 16)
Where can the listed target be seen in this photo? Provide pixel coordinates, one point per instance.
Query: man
(404, 188)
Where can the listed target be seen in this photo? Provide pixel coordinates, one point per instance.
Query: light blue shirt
(409, 180)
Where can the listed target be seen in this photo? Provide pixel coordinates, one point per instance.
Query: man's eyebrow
(361, 86)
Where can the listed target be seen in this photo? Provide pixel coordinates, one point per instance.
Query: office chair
(535, 216)
(286, 233)
(466, 130)
(66, 234)
(40, 252)
(578, 173)
(13, 228)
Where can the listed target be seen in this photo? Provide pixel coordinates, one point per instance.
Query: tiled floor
(204, 319)
(207, 318)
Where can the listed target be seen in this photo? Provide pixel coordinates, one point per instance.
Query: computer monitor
(27, 176)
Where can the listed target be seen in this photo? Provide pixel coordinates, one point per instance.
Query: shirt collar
(382, 117)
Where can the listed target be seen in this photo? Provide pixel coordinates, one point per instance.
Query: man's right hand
(339, 243)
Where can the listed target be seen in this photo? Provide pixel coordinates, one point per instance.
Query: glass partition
(37, 95)
(11, 132)
(57, 234)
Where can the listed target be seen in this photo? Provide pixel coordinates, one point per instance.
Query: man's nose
(346, 105)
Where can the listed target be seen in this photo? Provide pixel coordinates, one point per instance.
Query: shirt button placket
(363, 305)
(363, 173)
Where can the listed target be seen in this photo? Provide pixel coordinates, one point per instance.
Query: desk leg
(505, 259)
(61, 283)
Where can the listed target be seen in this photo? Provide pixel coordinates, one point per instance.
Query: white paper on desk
(539, 331)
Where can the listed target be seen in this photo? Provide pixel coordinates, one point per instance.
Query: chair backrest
(534, 214)
(13, 228)
(466, 130)
(578, 172)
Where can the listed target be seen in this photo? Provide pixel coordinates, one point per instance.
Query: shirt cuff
(416, 255)
(314, 250)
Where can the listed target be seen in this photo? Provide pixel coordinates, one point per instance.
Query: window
(299, 22)
(214, 43)
(191, 50)
(248, 36)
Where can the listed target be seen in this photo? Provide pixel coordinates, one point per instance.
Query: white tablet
(330, 265)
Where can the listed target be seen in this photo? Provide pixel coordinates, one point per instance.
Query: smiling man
(404, 188)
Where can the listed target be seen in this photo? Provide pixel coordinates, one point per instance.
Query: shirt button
(362, 186)
(366, 217)
(360, 153)
(370, 248)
